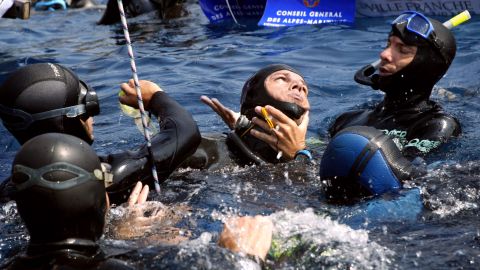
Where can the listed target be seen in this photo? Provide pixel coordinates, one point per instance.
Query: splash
(150, 222)
(451, 187)
(315, 241)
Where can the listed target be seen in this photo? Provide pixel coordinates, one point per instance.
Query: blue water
(189, 57)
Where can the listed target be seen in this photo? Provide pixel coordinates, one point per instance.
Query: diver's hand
(287, 136)
(139, 195)
(229, 117)
(134, 222)
(250, 235)
(148, 89)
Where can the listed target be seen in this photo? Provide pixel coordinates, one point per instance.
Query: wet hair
(46, 97)
(60, 189)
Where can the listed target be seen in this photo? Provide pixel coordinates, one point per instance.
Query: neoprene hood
(414, 83)
(46, 97)
(254, 93)
(60, 189)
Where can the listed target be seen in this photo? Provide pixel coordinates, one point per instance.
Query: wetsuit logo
(311, 3)
(399, 137)
(424, 146)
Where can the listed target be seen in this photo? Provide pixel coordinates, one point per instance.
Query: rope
(146, 129)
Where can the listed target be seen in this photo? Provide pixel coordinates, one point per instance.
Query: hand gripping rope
(146, 129)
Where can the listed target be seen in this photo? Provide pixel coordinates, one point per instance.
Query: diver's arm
(429, 135)
(249, 235)
(178, 138)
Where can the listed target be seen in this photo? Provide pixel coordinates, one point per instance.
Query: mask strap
(28, 119)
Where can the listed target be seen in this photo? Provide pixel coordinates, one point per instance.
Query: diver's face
(395, 56)
(287, 86)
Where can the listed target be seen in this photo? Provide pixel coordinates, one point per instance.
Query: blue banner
(219, 11)
(295, 12)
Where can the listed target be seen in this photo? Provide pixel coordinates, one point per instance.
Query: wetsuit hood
(414, 83)
(60, 189)
(46, 97)
(254, 93)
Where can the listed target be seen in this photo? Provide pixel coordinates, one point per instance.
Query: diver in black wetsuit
(42, 98)
(283, 92)
(363, 156)
(61, 199)
(166, 9)
(410, 66)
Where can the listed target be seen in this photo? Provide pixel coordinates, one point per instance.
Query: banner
(294, 12)
(379, 8)
(219, 11)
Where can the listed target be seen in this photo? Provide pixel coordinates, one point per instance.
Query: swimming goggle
(88, 106)
(25, 177)
(416, 23)
(420, 25)
(50, 5)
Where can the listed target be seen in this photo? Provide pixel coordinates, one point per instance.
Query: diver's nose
(299, 86)
(386, 54)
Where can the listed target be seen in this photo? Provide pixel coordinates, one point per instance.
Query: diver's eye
(281, 78)
(388, 44)
(406, 49)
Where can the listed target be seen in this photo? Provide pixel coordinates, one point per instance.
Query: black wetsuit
(83, 255)
(416, 128)
(165, 8)
(416, 124)
(178, 138)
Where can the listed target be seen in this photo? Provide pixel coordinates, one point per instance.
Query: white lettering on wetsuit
(400, 139)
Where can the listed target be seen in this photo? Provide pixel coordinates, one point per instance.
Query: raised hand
(228, 116)
(129, 98)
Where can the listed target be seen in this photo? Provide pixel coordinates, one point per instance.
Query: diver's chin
(300, 120)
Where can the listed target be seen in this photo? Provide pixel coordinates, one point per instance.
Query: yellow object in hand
(267, 118)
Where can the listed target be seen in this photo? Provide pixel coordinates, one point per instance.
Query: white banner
(379, 8)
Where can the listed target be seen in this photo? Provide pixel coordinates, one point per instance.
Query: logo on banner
(311, 3)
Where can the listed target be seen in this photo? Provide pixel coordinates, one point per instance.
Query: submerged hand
(250, 235)
(134, 222)
(148, 89)
(229, 117)
(287, 136)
